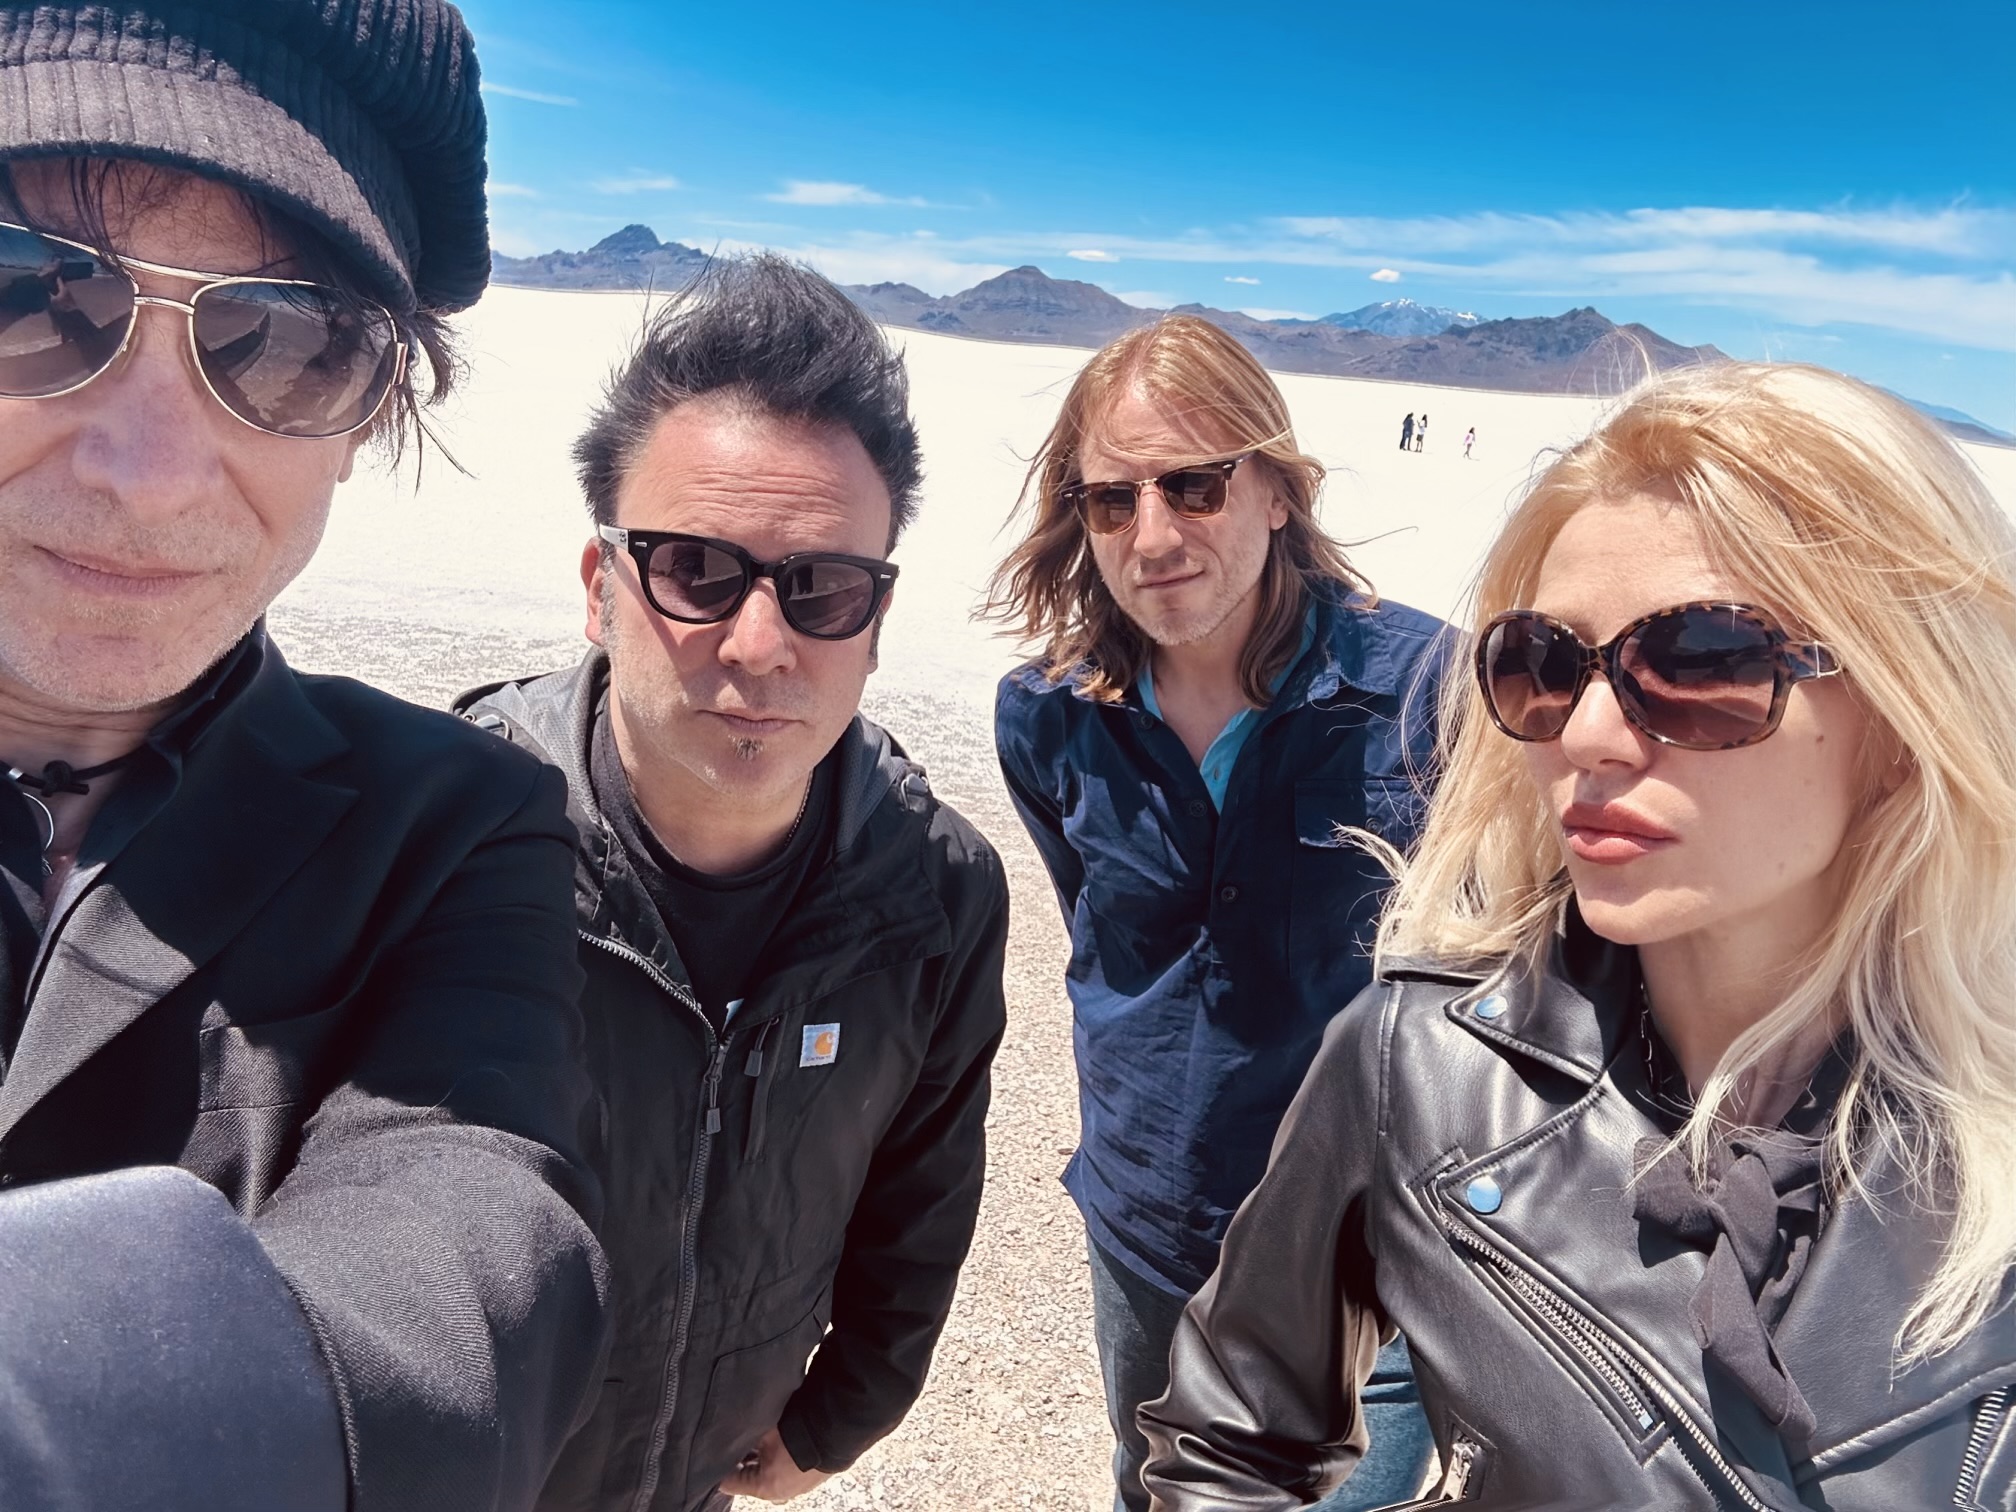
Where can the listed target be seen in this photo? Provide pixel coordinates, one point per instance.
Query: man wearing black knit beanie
(292, 1209)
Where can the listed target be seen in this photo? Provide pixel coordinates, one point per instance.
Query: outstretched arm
(435, 1228)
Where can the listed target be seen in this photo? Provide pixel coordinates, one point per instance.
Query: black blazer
(335, 979)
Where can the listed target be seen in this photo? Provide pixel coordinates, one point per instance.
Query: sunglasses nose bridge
(757, 634)
(1599, 712)
(1157, 529)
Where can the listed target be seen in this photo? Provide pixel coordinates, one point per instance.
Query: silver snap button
(1492, 1007)
(1484, 1195)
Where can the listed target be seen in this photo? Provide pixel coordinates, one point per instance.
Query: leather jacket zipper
(1452, 1487)
(1593, 1345)
(689, 1223)
(1581, 1335)
(1455, 1483)
(1987, 1422)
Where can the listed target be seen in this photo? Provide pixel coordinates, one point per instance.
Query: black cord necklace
(59, 777)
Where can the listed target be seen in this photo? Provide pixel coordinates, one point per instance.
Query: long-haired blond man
(1218, 697)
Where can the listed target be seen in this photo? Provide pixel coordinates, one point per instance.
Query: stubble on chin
(748, 750)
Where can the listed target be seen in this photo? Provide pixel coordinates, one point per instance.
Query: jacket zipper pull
(1455, 1484)
(714, 1090)
(752, 1146)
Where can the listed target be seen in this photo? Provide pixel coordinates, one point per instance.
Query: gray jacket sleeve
(1262, 1409)
(151, 1356)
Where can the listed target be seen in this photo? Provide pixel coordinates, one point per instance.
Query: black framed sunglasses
(698, 580)
(1701, 676)
(285, 356)
(1195, 493)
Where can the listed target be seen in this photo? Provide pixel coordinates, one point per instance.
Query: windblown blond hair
(1049, 591)
(1856, 521)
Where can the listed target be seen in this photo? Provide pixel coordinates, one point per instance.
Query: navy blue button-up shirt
(1209, 949)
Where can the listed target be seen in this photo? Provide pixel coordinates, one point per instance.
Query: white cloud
(511, 191)
(516, 243)
(820, 192)
(1147, 299)
(1259, 314)
(1385, 275)
(636, 183)
(1092, 254)
(1239, 279)
(535, 96)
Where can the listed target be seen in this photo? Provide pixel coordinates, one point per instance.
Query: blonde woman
(1678, 1133)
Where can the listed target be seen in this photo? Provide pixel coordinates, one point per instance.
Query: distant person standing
(1469, 440)
(1421, 431)
(1407, 432)
(1218, 694)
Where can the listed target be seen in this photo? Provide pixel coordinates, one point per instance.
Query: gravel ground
(1013, 1415)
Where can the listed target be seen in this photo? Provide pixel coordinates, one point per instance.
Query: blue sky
(1823, 182)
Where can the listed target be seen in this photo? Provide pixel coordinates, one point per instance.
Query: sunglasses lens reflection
(1195, 493)
(63, 315)
(1703, 678)
(694, 581)
(1109, 507)
(1531, 672)
(829, 599)
(295, 360)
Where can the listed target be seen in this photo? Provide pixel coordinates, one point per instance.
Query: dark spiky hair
(778, 337)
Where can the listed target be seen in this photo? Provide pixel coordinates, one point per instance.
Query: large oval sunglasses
(699, 580)
(1701, 676)
(286, 356)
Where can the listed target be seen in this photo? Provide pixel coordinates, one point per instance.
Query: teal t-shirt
(1216, 767)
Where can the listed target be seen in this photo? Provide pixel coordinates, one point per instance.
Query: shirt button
(1228, 894)
(1195, 808)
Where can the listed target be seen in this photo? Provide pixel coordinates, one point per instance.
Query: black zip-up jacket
(788, 1185)
(1460, 1164)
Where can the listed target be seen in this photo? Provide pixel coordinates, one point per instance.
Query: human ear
(594, 580)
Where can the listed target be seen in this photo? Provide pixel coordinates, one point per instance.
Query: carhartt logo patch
(821, 1045)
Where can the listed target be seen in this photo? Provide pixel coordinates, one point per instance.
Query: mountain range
(1577, 352)
(1402, 317)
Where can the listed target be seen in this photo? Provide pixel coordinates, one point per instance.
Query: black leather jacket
(1457, 1165)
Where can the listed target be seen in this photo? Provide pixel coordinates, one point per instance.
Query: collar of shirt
(1223, 753)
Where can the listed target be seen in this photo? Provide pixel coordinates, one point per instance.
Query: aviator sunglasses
(1194, 493)
(285, 356)
(698, 580)
(1704, 676)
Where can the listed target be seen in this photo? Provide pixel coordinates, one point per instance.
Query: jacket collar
(1348, 653)
(245, 815)
(1570, 1010)
(557, 714)
(1576, 1014)
(872, 906)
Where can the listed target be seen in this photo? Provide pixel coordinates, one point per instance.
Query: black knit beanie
(359, 117)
